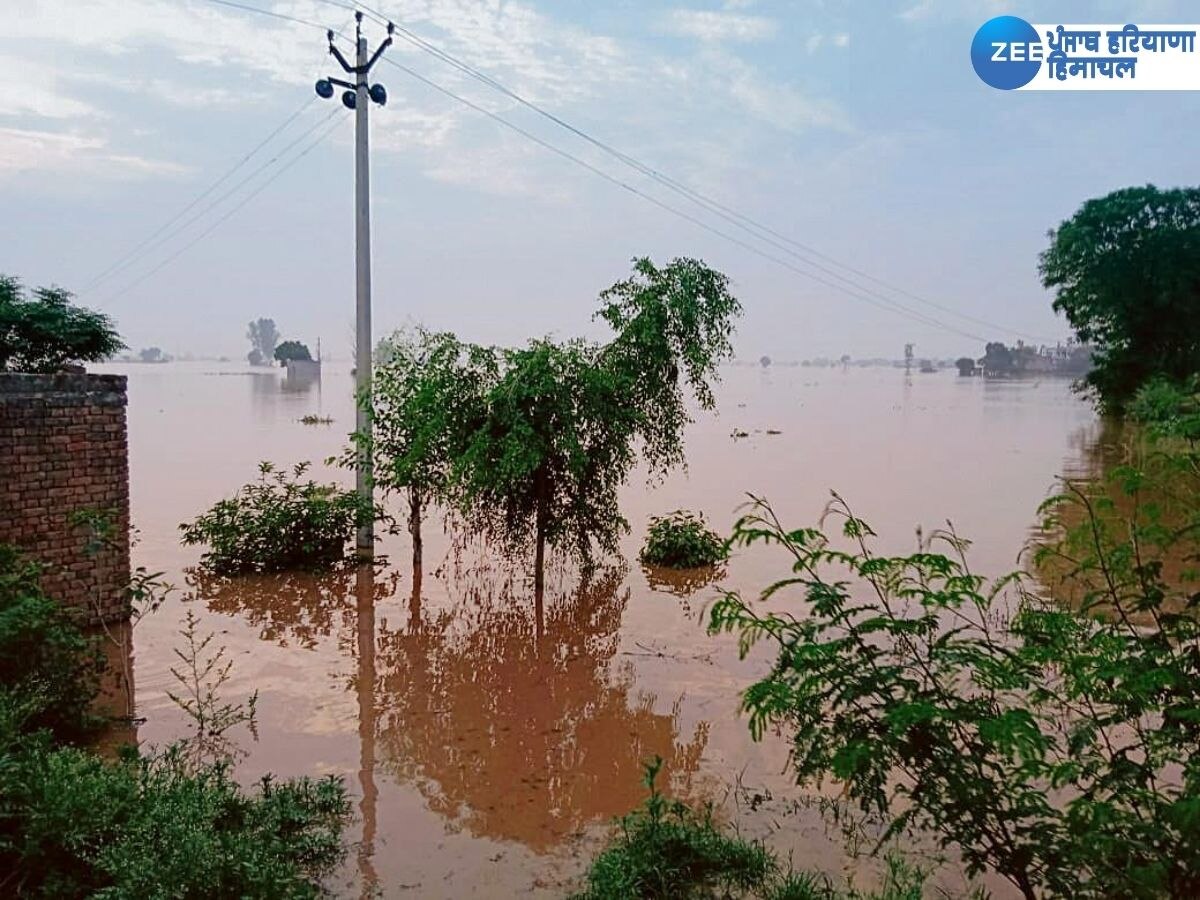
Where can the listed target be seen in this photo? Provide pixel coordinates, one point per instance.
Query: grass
(666, 850)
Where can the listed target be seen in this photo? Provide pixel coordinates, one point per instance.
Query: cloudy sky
(856, 129)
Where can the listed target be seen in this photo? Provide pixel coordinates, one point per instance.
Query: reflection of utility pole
(358, 97)
(364, 591)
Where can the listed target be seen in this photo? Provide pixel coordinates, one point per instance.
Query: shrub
(1168, 407)
(44, 657)
(74, 825)
(666, 849)
(1058, 748)
(682, 540)
(278, 523)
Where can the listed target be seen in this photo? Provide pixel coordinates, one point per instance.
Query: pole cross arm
(378, 52)
(337, 54)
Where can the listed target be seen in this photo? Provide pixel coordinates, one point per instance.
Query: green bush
(1168, 407)
(44, 657)
(276, 523)
(682, 540)
(75, 825)
(666, 850)
(1057, 747)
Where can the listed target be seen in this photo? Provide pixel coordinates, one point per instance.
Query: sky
(856, 129)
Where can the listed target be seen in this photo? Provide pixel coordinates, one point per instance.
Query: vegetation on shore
(144, 825)
(1057, 747)
(1125, 270)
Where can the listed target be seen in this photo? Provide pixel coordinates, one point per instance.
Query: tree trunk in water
(539, 559)
(415, 505)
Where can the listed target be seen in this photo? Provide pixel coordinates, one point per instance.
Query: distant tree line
(265, 345)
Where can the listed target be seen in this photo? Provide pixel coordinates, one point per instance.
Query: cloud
(25, 150)
(719, 27)
(783, 106)
(32, 89)
(922, 9)
(814, 42)
(220, 61)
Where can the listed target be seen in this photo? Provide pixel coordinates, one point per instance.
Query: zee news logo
(1009, 53)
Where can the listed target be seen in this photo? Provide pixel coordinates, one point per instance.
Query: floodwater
(488, 755)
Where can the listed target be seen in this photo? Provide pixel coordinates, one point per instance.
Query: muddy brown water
(486, 756)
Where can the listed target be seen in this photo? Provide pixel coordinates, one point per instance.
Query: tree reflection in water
(1166, 497)
(682, 582)
(517, 737)
(512, 725)
(289, 608)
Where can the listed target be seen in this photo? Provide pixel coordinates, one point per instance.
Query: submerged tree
(564, 422)
(263, 336)
(46, 331)
(292, 350)
(428, 390)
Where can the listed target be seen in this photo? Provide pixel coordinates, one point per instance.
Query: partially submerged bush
(278, 522)
(666, 850)
(44, 657)
(682, 540)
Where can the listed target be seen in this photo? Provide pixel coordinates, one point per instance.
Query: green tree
(152, 355)
(292, 350)
(1126, 271)
(427, 392)
(564, 421)
(997, 359)
(263, 336)
(45, 331)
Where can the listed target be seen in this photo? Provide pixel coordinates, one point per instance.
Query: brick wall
(63, 450)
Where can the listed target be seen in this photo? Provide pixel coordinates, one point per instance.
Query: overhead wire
(229, 213)
(128, 258)
(880, 302)
(160, 235)
(746, 224)
(739, 220)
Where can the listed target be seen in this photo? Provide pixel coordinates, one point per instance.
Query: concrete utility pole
(358, 97)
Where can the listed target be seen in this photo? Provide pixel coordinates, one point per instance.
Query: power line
(203, 211)
(849, 287)
(268, 12)
(258, 190)
(746, 224)
(127, 259)
(880, 302)
(735, 218)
